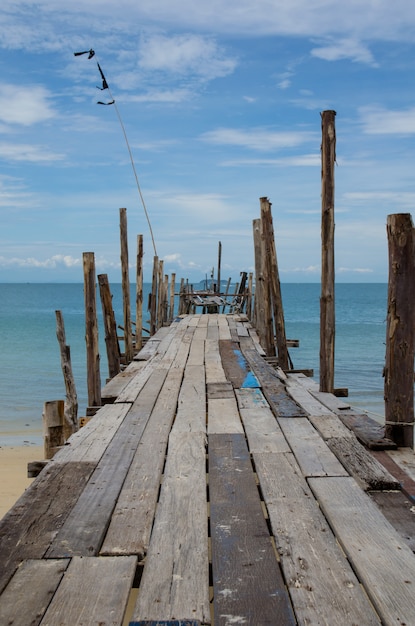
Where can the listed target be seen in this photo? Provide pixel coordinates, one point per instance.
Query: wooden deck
(211, 489)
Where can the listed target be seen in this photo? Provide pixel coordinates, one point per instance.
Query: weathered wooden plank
(381, 558)
(223, 416)
(197, 351)
(28, 594)
(220, 390)
(94, 590)
(84, 529)
(213, 363)
(213, 329)
(272, 387)
(29, 527)
(399, 511)
(191, 406)
(305, 399)
(242, 330)
(224, 331)
(91, 441)
(367, 430)
(236, 367)
(322, 585)
(361, 464)
(261, 427)
(241, 542)
(132, 518)
(405, 458)
(114, 387)
(312, 453)
(175, 582)
(406, 483)
(151, 345)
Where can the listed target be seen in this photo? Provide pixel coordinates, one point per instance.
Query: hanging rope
(91, 54)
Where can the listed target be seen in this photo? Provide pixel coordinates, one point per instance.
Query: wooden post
(400, 332)
(219, 266)
(160, 294)
(249, 296)
(128, 342)
(53, 427)
(110, 327)
(91, 332)
(182, 298)
(139, 296)
(327, 314)
(172, 290)
(71, 403)
(270, 257)
(259, 283)
(153, 298)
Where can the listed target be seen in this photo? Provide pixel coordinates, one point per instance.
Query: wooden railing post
(400, 332)
(153, 297)
(128, 342)
(71, 402)
(91, 332)
(259, 283)
(270, 257)
(139, 296)
(327, 315)
(110, 327)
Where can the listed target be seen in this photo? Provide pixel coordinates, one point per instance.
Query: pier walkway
(211, 488)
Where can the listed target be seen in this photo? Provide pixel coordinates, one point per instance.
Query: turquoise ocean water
(30, 371)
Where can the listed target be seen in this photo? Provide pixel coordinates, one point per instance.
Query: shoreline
(13, 472)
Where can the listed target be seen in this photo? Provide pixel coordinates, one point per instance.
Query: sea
(30, 368)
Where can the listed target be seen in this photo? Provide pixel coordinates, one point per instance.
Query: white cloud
(302, 160)
(27, 152)
(260, 139)
(24, 105)
(184, 55)
(338, 49)
(49, 263)
(380, 121)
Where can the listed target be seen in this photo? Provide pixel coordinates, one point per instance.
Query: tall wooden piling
(259, 315)
(400, 331)
(172, 290)
(327, 309)
(139, 295)
(110, 327)
(53, 420)
(153, 297)
(270, 258)
(128, 341)
(91, 331)
(71, 402)
(219, 266)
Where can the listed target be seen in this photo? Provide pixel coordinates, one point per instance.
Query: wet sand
(13, 472)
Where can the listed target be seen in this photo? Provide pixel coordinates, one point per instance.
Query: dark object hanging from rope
(90, 53)
(106, 103)
(104, 81)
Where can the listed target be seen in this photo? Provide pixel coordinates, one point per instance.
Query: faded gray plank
(84, 529)
(380, 557)
(115, 386)
(223, 416)
(241, 542)
(27, 530)
(322, 585)
(261, 427)
(312, 453)
(94, 591)
(28, 594)
(132, 518)
(175, 583)
(191, 406)
(89, 443)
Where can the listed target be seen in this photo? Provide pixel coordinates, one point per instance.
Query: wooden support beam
(400, 332)
(139, 296)
(128, 342)
(110, 327)
(91, 331)
(327, 315)
(71, 402)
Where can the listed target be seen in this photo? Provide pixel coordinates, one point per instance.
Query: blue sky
(221, 105)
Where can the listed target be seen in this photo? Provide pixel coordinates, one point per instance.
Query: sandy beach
(13, 472)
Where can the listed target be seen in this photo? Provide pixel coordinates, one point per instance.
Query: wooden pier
(212, 488)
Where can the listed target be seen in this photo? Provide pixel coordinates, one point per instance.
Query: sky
(216, 104)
